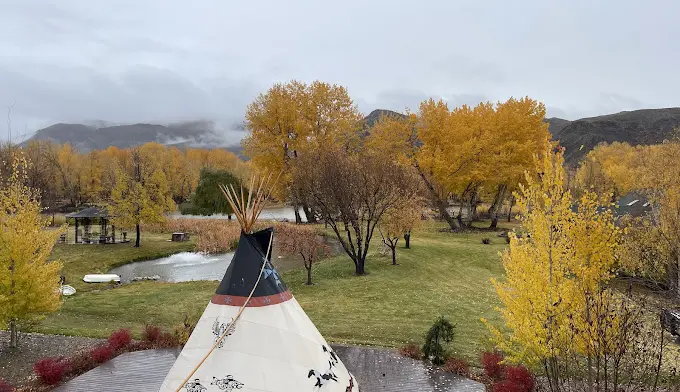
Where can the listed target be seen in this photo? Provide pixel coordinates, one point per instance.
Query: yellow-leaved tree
(661, 173)
(554, 300)
(611, 168)
(140, 197)
(466, 152)
(294, 119)
(29, 283)
(399, 221)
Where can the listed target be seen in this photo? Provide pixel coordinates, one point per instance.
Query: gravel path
(17, 365)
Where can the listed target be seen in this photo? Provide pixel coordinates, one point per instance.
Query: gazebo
(87, 218)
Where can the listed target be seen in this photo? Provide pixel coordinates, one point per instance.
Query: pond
(190, 266)
(278, 214)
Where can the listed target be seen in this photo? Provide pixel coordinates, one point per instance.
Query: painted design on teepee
(323, 378)
(195, 386)
(351, 384)
(220, 328)
(227, 383)
(270, 270)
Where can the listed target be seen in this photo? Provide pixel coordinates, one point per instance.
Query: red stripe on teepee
(232, 300)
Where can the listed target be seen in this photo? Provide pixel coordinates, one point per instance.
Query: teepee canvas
(253, 335)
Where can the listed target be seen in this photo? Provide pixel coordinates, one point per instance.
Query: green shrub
(441, 333)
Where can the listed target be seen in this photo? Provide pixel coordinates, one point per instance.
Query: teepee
(253, 335)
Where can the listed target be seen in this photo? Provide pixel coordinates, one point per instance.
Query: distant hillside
(375, 115)
(86, 138)
(647, 126)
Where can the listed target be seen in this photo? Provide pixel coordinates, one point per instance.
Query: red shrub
(120, 339)
(102, 353)
(520, 376)
(411, 351)
(80, 363)
(50, 371)
(507, 386)
(492, 364)
(151, 333)
(167, 340)
(457, 366)
(5, 387)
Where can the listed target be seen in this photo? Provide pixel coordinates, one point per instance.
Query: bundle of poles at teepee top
(248, 209)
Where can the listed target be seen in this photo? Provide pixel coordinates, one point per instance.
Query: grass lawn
(442, 274)
(81, 259)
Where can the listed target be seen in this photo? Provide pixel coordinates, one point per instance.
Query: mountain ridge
(636, 127)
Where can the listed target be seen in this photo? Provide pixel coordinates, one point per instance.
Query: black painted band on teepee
(245, 268)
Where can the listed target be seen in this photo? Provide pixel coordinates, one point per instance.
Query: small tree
(351, 192)
(29, 283)
(208, 198)
(399, 221)
(295, 240)
(439, 334)
(140, 198)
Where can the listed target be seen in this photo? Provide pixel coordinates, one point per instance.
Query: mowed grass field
(442, 274)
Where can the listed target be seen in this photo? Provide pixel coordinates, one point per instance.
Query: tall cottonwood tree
(29, 283)
(294, 119)
(351, 192)
(140, 196)
(466, 152)
(661, 176)
(611, 169)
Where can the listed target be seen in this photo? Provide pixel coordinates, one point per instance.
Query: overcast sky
(170, 60)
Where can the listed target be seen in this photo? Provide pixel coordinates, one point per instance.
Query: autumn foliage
(29, 283)
(102, 353)
(213, 235)
(303, 242)
(120, 339)
(466, 152)
(5, 387)
(493, 368)
(412, 351)
(51, 371)
(66, 175)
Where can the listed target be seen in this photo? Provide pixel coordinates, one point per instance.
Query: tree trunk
(359, 267)
(137, 236)
(298, 219)
(407, 238)
(309, 275)
(512, 203)
(394, 254)
(13, 341)
(677, 271)
(673, 276)
(496, 206)
(309, 213)
(441, 204)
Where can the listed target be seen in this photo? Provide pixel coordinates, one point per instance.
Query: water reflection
(189, 266)
(277, 214)
(180, 267)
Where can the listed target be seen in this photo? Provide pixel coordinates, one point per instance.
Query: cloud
(129, 61)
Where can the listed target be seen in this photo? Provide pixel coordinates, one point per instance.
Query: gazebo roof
(90, 212)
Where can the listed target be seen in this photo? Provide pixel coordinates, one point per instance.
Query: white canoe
(67, 290)
(101, 278)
